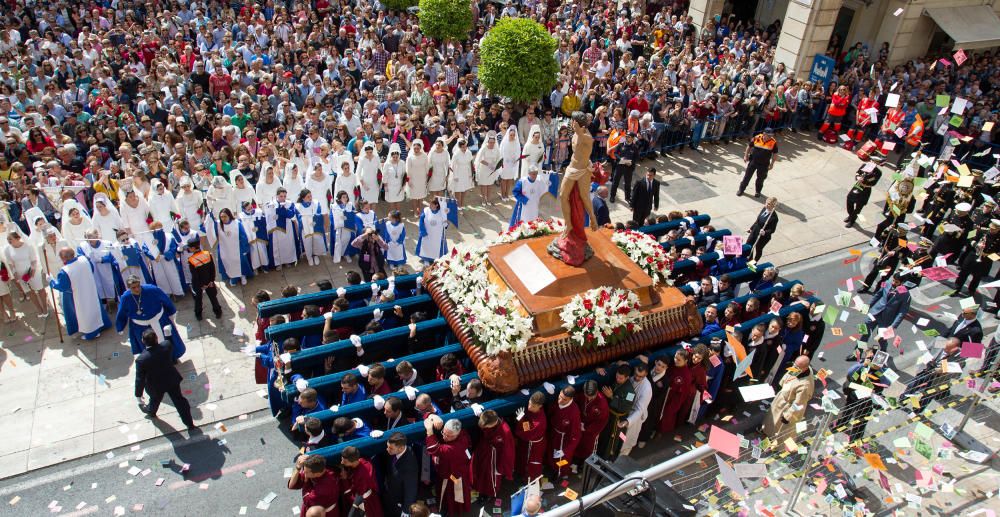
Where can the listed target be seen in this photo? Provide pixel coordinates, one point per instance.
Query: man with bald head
(82, 308)
(789, 405)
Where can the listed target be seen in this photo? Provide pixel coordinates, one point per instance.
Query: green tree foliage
(398, 5)
(446, 19)
(518, 60)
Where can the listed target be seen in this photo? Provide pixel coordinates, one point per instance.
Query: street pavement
(240, 466)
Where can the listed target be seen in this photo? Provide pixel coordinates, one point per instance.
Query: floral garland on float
(531, 229)
(487, 311)
(598, 317)
(647, 253)
(601, 316)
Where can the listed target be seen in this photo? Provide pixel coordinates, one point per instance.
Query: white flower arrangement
(529, 229)
(486, 311)
(601, 316)
(646, 252)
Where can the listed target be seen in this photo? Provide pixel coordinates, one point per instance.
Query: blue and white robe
(164, 263)
(394, 235)
(528, 195)
(82, 307)
(282, 232)
(152, 309)
(232, 248)
(133, 262)
(255, 223)
(182, 252)
(363, 221)
(433, 242)
(110, 283)
(342, 227)
(312, 235)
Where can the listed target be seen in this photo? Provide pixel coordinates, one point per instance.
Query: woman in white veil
(162, 205)
(136, 216)
(189, 203)
(294, 179)
(243, 192)
(267, 186)
(533, 151)
(106, 218)
(510, 155)
(220, 195)
(75, 222)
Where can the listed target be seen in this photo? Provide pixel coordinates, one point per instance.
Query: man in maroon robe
(593, 417)
(530, 430)
(359, 476)
(493, 459)
(320, 486)
(451, 456)
(564, 431)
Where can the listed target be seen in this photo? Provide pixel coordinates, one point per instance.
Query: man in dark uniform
(760, 156)
(762, 229)
(956, 226)
(977, 263)
(866, 178)
(645, 196)
(892, 250)
(155, 373)
(916, 260)
(628, 154)
(203, 278)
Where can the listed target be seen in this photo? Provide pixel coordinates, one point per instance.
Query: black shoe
(144, 408)
(757, 194)
(218, 314)
(197, 317)
(739, 193)
(849, 224)
(847, 219)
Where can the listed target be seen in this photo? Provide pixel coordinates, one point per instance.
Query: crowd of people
(149, 146)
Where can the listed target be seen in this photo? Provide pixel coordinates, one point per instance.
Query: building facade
(912, 28)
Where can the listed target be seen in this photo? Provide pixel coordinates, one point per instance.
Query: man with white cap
(977, 261)
(955, 226)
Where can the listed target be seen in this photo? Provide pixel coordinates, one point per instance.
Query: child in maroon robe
(493, 459)
(681, 382)
(359, 480)
(530, 432)
(699, 376)
(593, 418)
(564, 431)
(450, 454)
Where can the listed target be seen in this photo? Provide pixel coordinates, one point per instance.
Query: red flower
(630, 327)
(502, 311)
(649, 260)
(149, 219)
(587, 304)
(454, 252)
(589, 336)
(623, 310)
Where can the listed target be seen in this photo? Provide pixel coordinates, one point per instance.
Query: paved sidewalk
(69, 400)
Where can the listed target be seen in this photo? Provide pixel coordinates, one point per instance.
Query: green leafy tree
(398, 5)
(518, 60)
(445, 19)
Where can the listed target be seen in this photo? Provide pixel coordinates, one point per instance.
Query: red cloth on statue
(571, 245)
(576, 212)
(530, 431)
(451, 462)
(564, 435)
(593, 418)
(493, 460)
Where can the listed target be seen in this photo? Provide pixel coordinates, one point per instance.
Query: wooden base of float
(666, 313)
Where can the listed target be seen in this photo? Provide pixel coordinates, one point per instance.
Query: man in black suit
(645, 196)
(967, 328)
(155, 373)
(600, 202)
(401, 475)
(762, 229)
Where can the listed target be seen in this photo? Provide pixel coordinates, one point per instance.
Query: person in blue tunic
(393, 232)
(232, 246)
(528, 192)
(433, 226)
(82, 308)
(145, 306)
(132, 262)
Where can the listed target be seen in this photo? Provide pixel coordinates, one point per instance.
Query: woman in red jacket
(835, 113)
